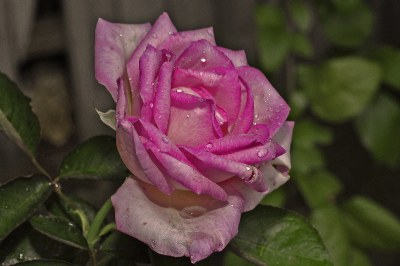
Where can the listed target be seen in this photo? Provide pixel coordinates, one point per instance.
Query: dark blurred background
(46, 46)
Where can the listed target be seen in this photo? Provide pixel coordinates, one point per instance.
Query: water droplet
(154, 35)
(210, 32)
(248, 168)
(179, 90)
(57, 186)
(187, 116)
(153, 244)
(170, 32)
(165, 139)
(129, 78)
(152, 84)
(120, 35)
(192, 212)
(256, 116)
(70, 224)
(209, 146)
(203, 59)
(21, 256)
(262, 153)
(151, 105)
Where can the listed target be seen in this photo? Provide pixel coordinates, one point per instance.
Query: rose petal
(113, 45)
(191, 120)
(223, 85)
(238, 58)
(179, 41)
(275, 171)
(202, 55)
(245, 120)
(166, 230)
(161, 29)
(269, 107)
(137, 159)
(205, 162)
(162, 101)
(149, 65)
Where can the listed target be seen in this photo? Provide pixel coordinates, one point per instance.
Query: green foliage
(301, 14)
(273, 236)
(16, 118)
(123, 246)
(341, 88)
(19, 199)
(276, 198)
(379, 128)
(389, 60)
(97, 158)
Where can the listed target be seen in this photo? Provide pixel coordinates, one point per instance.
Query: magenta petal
(113, 45)
(245, 121)
(256, 155)
(162, 101)
(207, 162)
(137, 159)
(166, 230)
(202, 55)
(269, 107)
(179, 41)
(238, 58)
(191, 120)
(223, 85)
(161, 29)
(149, 65)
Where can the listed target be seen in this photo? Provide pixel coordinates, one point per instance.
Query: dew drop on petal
(203, 59)
(209, 146)
(262, 153)
(153, 244)
(179, 90)
(165, 139)
(154, 35)
(192, 212)
(151, 105)
(187, 116)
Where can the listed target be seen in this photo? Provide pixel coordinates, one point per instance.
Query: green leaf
(309, 133)
(19, 199)
(96, 158)
(301, 14)
(358, 258)
(275, 198)
(341, 88)
(123, 246)
(17, 120)
(389, 60)
(60, 229)
(231, 259)
(272, 236)
(347, 5)
(371, 225)
(24, 244)
(298, 103)
(327, 220)
(379, 128)
(274, 39)
(306, 160)
(301, 45)
(319, 188)
(45, 263)
(347, 29)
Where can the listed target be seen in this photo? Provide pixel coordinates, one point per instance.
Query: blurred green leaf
(347, 29)
(60, 229)
(301, 45)
(19, 199)
(276, 198)
(17, 120)
(327, 220)
(309, 133)
(274, 39)
(272, 236)
(306, 159)
(123, 246)
(231, 259)
(347, 5)
(341, 88)
(358, 258)
(298, 103)
(301, 14)
(370, 225)
(318, 189)
(389, 60)
(379, 128)
(161, 260)
(96, 158)
(45, 263)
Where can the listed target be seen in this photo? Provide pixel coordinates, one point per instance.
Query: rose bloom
(203, 134)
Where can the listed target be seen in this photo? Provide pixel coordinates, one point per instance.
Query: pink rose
(203, 134)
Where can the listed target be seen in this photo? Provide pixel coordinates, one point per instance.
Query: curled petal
(245, 120)
(269, 107)
(161, 29)
(114, 43)
(238, 58)
(193, 231)
(137, 159)
(179, 41)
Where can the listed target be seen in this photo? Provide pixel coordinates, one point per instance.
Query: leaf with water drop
(19, 199)
(17, 120)
(96, 158)
(60, 229)
(273, 236)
